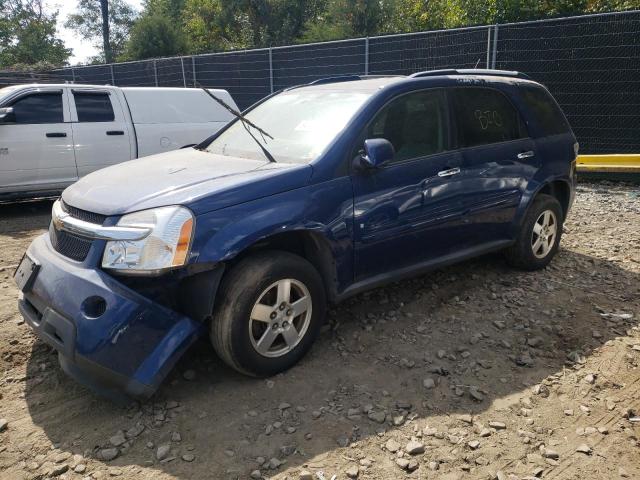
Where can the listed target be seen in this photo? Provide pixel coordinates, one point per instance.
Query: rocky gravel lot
(472, 372)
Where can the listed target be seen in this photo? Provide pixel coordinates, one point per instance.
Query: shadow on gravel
(478, 329)
(18, 217)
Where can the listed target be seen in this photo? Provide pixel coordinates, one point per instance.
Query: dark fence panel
(95, 74)
(62, 75)
(305, 63)
(590, 63)
(134, 74)
(406, 54)
(244, 74)
(170, 72)
(592, 67)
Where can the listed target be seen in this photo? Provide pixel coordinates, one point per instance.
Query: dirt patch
(475, 371)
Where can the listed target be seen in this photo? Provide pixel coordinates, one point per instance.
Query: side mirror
(377, 152)
(6, 114)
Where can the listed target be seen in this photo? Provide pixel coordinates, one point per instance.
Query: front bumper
(128, 348)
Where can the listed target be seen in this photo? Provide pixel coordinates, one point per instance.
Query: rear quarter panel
(555, 155)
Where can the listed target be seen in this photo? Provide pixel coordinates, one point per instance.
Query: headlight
(167, 246)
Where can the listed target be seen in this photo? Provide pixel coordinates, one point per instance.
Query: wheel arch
(561, 190)
(556, 187)
(311, 245)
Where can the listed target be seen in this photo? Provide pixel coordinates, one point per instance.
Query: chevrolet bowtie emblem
(57, 219)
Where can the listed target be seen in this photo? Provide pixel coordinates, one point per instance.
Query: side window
(93, 107)
(416, 124)
(38, 108)
(485, 116)
(545, 110)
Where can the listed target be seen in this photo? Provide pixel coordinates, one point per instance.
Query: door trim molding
(422, 267)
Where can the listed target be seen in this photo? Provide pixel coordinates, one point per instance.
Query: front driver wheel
(270, 308)
(539, 238)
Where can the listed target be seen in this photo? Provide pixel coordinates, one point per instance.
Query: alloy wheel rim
(544, 234)
(280, 318)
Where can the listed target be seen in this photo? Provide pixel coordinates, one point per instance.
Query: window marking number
(488, 117)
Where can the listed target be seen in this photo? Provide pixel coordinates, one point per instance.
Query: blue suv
(314, 194)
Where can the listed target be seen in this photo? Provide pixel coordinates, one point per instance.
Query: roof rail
(470, 71)
(336, 79)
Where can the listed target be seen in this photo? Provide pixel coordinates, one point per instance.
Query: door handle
(450, 172)
(55, 134)
(115, 132)
(527, 154)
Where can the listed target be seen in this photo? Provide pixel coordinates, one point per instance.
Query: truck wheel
(539, 238)
(271, 307)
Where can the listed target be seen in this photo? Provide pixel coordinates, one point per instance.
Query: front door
(36, 147)
(407, 211)
(100, 130)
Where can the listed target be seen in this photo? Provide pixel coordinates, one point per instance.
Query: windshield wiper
(246, 123)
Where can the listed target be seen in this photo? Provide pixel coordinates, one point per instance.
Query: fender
(324, 209)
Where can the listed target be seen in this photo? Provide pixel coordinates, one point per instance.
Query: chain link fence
(590, 63)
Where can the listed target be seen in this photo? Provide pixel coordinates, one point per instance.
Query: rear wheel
(539, 238)
(270, 311)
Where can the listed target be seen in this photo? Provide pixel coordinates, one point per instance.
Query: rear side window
(93, 107)
(485, 116)
(545, 110)
(415, 123)
(38, 108)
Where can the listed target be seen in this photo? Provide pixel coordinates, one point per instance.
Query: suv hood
(201, 180)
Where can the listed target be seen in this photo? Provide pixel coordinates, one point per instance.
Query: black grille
(83, 214)
(69, 245)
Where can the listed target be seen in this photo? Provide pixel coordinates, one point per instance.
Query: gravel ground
(476, 371)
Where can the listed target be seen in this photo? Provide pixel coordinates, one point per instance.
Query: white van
(51, 135)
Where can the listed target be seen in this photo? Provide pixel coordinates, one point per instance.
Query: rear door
(101, 133)
(499, 160)
(407, 211)
(36, 147)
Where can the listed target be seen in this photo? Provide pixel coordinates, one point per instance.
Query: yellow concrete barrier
(614, 163)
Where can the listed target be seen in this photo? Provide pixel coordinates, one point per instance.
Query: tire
(250, 330)
(526, 253)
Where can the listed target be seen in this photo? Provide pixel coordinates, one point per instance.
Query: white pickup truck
(51, 135)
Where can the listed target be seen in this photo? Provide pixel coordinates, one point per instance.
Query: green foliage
(222, 25)
(168, 8)
(28, 34)
(87, 21)
(351, 18)
(210, 26)
(214, 25)
(154, 36)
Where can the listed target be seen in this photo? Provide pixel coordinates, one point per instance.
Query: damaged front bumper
(108, 336)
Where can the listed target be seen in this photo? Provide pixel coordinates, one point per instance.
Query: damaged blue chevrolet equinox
(310, 196)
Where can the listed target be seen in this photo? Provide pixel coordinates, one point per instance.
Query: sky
(82, 49)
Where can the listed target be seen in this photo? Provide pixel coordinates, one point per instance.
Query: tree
(110, 36)
(106, 42)
(350, 18)
(154, 36)
(168, 8)
(227, 24)
(28, 34)
(212, 25)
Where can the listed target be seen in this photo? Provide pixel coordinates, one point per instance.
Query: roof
(364, 85)
(58, 85)
(373, 84)
(94, 86)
